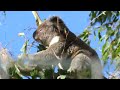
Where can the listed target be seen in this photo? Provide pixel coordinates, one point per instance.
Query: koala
(64, 49)
(5, 63)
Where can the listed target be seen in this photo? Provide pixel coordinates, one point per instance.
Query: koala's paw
(70, 70)
(22, 56)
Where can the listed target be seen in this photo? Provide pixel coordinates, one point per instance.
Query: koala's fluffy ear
(55, 19)
(59, 23)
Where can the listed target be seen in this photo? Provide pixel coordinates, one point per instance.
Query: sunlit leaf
(104, 12)
(105, 57)
(24, 47)
(21, 34)
(118, 50)
(61, 77)
(105, 47)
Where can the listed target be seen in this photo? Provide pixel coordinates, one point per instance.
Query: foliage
(85, 36)
(13, 73)
(108, 31)
(105, 25)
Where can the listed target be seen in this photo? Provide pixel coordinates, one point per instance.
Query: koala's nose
(35, 36)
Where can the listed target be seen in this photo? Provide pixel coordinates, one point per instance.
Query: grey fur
(71, 52)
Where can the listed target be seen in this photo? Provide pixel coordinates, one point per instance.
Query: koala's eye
(40, 30)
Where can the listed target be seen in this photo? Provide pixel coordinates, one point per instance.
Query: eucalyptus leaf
(21, 34)
(61, 77)
(24, 47)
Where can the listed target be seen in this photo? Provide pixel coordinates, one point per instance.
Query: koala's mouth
(37, 39)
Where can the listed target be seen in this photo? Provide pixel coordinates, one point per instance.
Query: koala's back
(85, 60)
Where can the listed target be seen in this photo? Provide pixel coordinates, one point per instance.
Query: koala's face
(45, 32)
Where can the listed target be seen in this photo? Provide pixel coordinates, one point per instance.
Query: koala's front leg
(44, 59)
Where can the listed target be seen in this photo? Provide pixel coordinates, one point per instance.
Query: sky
(23, 21)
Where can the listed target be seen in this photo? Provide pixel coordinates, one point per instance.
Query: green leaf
(61, 77)
(42, 75)
(18, 71)
(24, 47)
(81, 35)
(14, 74)
(104, 12)
(105, 56)
(119, 12)
(49, 73)
(110, 32)
(21, 34)
(105, 47)
(99, 35)
(117, 50)
(106, 37)
(34, 74)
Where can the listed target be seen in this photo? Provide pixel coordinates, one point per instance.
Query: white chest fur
(54, 40)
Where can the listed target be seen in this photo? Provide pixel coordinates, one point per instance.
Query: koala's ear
(55, 19)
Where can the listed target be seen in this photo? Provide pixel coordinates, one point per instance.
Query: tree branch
(37, 18)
